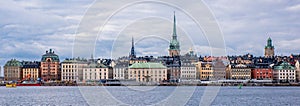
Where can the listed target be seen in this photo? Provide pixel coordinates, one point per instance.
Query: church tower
(132, 52)
(269, 48)
(174, 48)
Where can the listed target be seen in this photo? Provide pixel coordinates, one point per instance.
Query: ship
(11, 85)
(29, 83)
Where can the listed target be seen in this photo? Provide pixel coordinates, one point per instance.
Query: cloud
(294, 8)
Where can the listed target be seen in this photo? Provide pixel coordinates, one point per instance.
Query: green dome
(13, 62)
(51, 55)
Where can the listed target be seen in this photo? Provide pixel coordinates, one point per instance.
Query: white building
(187, 71)
(96, 72)
(284, 72)
(72, 69)
(120, 71)
(147, 72)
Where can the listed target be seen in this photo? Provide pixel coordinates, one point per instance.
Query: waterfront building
(173, 64)
(198, 69)
(269, 49)
(240, 72)
(50, 67)
(120, 70)
(12, 70)
(97, 71)
(72, 69)
(219, 72)
(30, 70)
(174, 47)
(262, 69)
(206, 71)
(147, 72)
(188, 71)
(262, 72)
(284, 72)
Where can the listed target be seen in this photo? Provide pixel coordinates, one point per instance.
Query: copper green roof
(147, 65)
(284, 66)
(51, 55)
(269, 43)
(13, 62)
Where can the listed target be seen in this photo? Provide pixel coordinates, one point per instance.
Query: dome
(13, 62)
(51, 55)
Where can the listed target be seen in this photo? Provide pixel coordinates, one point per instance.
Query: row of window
(188, 71)
(94, 69)
(188, 76)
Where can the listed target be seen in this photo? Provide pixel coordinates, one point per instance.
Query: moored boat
(29, 83)
(11, 85)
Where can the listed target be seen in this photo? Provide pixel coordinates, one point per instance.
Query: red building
(261, 73)
(50, 68)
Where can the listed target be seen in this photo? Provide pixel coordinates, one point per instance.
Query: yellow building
(147, 72)
(240, 71)
(12, 70)
(206, 71)
(30, 70)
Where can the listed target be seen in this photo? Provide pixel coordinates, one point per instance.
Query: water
(80, 96)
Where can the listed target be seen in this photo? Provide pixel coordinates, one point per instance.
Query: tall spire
(132, 52)
(132, 43)
(174, 28)
(174, 47)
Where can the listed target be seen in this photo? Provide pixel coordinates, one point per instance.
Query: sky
(73, 28)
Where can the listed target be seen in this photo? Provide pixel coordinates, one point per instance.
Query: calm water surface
(80, 96)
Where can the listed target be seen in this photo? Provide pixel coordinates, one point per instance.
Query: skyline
(30, 28)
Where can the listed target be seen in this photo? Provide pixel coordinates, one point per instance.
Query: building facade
(219, 72)
(206, 71)
(12, 70)
(96, 72)
(262, 72)
(120, 71)
(240, 72)
(72, 69)
(188, 71)
(284, 72)
(269, 49)
(50, 67)
(30, 70)
(147, 72)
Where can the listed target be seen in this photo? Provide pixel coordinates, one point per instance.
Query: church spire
(132, 52)
(174, 48)
(174, 28)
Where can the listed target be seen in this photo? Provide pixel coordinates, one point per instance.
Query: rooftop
(148, 65)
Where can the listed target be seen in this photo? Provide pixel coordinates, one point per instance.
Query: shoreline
(178, 84)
